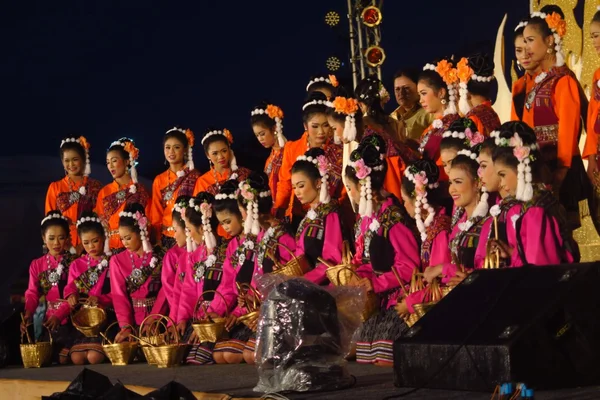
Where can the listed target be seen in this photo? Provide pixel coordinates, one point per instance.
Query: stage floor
(239, 380)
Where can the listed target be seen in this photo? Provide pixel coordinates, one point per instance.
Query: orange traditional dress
(72, 199)
(112, 199)
(272, 167)
(212, 180)
(593, 119)
(166, 188)
(520, 88)
(485, 118)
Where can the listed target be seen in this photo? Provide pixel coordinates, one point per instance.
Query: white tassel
(324, 194)
(88, 165)
(210, 240)
(188, 244)
(233, 164)
(73, 250)
(451, 108)
(362, 205)
(279, 130)
(520, 182)
(350, 128)
(190, 163)
(146, 245)
(134, 174)
(528, 189)
(482, 207)
(107, 244)
(249, 219)
(463, 102)
(560, 58)
(369, 197)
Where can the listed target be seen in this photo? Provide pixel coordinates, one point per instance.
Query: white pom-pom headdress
(322, 165)
(349, 108)
(86, 147)
(133, 156)
(191, 140)
(205, 209)
(421, 182)
(233, 164)
(54, 216)
(558, 26)
(475, 139)
(448, 73)
(142, 222)
(106, 236)
(276, 114)
(331, 80)
(250, 198)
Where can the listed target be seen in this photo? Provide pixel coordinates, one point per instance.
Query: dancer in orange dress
(593, 118)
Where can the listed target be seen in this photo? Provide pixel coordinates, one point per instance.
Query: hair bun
(204, 197)
(461, 125)
(88, 214)
(258, 180)
(229, 187)
(482, 64)
(526, 133)
(134, 207)
(315, 96)
(315, 152)
(374, 138)
(430, 168)
(552, 8)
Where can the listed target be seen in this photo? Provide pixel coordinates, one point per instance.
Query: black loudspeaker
(536, 325)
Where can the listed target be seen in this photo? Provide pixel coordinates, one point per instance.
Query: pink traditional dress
(135, 285)
(387, 252)
(170, 266)
(271, 250)
(432, 137)
(48, 278)
(319, 235)
(90, 277)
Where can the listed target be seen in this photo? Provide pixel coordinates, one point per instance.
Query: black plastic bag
(171, 391)
(88, 385)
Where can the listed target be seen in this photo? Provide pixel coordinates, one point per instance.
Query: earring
(549, 51)
(444, 102)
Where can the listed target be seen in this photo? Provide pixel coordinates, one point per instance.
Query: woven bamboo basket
(492, 257)
(249, 318)
(170, 353)
(341, 275)
(297, 266)
(89, 320)
(433, 294)
(371, 306)
(119, 353)
(153, 338)
(36, 355)
(208, 329)
(416, 284)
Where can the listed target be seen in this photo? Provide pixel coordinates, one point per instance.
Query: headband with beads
(251, 197)
(205, 210)
(86, 147)
(322, 165)
(276, 114)
(449, 75)
(133, 156)
(229, 137)
(558, 26)
(54, 216)
(331, 80)
(314, 102)
(363, 173)
(421, 182)
(349, 107)
(142, 222)
(97, 220)
(189, 135)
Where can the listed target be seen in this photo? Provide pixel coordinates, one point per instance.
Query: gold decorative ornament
(332, 18)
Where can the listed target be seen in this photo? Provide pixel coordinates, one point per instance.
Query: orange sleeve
(479, 124)
(517, 86)
(284, 186)
(156, 209)
(200, 185)
(99, 210)
(51, 198)
(567, 107)
(591, 139)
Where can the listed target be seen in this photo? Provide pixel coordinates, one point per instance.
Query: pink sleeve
(440, 249)
(290, 242)
(32, 294)
(63, 312)
(167, 275)
(105, 300)
(189, 294)
(177, 288)
(448, 271)
(414, 298)
(332, 249)
(161, 305)
(481, 251)
(121, 302)
(406, 259)
(71, 288)
(227, 287)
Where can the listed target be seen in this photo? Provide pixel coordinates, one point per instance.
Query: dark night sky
(108, 69)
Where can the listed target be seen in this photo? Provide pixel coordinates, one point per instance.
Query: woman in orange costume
(317, 134)
(76, 192)
(267, 125)
(476, 75)
(553, 109)
(223, 165)
(121, 160)
(590, 150)
(178, 180)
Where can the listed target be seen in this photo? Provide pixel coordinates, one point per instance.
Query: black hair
(433, 80)
(488, 146)
(435, 197)
(596, 17)
(460, 125)
(182, 201)
(130, 222)
(259, 182)
(174, 133)
(90, 226)
(505, 154)
(367, 91)
(310, 111)
(483, 66)
(541, 24)
(320, 85)
(370, 152)
(121, 150)
(519, 31)
(195, 217)
(75, 146)
(63, 223)
(262, 119)
(214, 139)
(339, 117)
(307, 167)
(228, 205)
(410, 73)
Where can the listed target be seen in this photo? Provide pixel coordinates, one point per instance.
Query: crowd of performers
(432, 189)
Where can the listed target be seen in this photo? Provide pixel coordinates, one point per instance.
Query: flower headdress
(54, 216)
(522, 152)
(98, 221)
(363, 173)
(421, 182)
(323, 166)
(348, 107)
(133, 152)
(205, 209)
(558, 26)
(250, 198)
(276, 114)
(449, 74)
(314, 102)
(229, 137)
(474, 139)
(86, 146)
(189, 135)
(331, 80)
(142, 222)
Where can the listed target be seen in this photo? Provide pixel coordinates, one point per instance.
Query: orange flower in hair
(557, 24)
(344, 105)
(334, 81)
(84, 143)
(274, 112)
(132, 150)
(190, 137)
(228, 135)
(443, 67)
(464, 72)
(451, 76)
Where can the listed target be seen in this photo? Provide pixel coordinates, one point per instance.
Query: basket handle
(159, 322)
(286, 249)
(29, 337)
(349, 269)
(155, 322)
(492, 257)
(402, 284)
(346, 253)
(205, 311)
(256, 296)
(104, 337)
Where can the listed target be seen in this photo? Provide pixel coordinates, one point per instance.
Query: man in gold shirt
(415, 118)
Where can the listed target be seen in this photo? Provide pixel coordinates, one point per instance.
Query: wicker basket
(372, 302)
(253, 308)
(208, 329)
(89, 320)
(168, 354)
(153, 339)
(411, 320)
(297, 266)
(36, 355)
(341, 275)
(119, 353)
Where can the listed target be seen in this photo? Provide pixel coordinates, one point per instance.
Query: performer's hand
(194, 339)
(230, 322)
(53, 323)
(181, 327)
(253, 324)
(213, 315)
(402, 309)
(92, 301)
(504, 249)
(123, 335)
(73, 299)
(458, 278)
(241, 301)
(431, 273)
